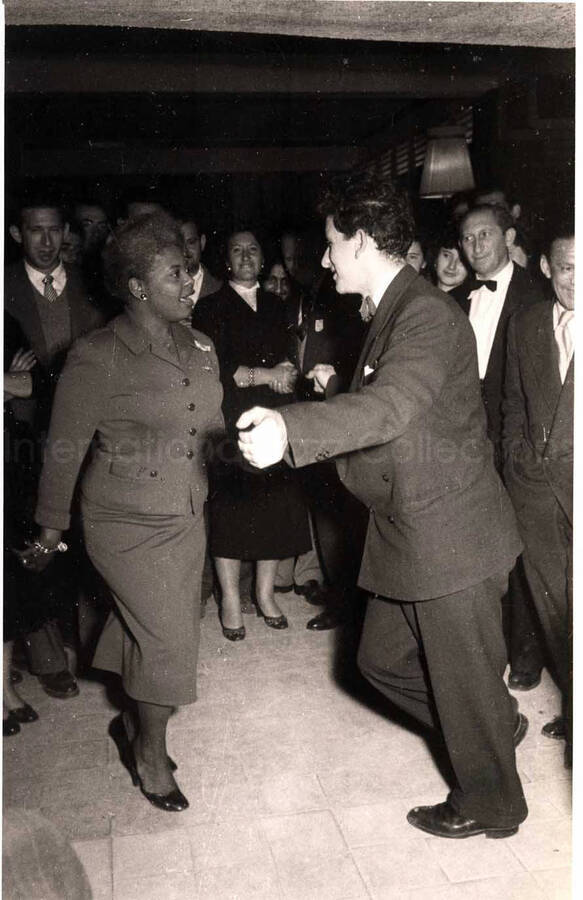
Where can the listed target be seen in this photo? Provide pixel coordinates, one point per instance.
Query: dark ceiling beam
(98, 160)
(517, 24)
(242, 74)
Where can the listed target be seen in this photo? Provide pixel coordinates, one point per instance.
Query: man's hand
(321, 375)
(265, 444)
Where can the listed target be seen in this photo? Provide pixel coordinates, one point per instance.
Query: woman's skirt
(153, 567)
(257, 514)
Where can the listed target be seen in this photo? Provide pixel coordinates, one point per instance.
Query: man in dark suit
(51, 305)
(499, 289)
(194, 243)
(330, 338)
(538, 445)
(441, 538)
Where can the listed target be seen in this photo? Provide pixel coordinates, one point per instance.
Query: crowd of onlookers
(276, 324)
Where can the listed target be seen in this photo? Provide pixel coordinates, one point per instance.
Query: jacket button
(153, 473)
(386, 476)
(189, 454)
(391, 520)
(186, 382)
(192, 430)
(190, 406)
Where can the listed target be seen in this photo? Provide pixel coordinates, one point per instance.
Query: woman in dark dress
(253, 515)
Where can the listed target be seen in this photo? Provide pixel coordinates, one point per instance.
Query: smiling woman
(144, 393)
(253, 516)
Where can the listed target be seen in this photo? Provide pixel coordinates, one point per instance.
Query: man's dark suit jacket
(411, 434)
(334, 336)
(538, 410)
(19, 301)
(522, 293)
(210, 284)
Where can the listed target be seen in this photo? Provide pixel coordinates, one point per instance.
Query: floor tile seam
(304, 859)
(280, 887)
(173, 831)
(349, 851)
(517, 857)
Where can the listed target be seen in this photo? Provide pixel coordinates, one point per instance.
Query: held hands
(321, 375)
(264, 445)
(284, 377)
(22, 361)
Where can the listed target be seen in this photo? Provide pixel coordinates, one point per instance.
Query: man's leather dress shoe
(442, 820)
(59, 684)
(311, 591)
(324, 621)
(555, 729)
(523, 681)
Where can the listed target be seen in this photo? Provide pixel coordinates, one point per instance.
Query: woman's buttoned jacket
(148, 420)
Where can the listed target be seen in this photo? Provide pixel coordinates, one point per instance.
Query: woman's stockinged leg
(228, 573)
(265, 581)
(150, 748)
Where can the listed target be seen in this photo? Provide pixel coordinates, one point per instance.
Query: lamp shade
(447, 168)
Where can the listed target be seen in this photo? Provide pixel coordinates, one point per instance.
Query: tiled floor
(298, 788)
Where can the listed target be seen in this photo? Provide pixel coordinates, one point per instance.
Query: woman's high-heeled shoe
(173, 801)
(24, 714)
(10, 726)
(277, 622)
(233, 634)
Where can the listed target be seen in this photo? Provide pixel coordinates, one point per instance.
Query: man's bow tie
(476, 284)
(367, 309)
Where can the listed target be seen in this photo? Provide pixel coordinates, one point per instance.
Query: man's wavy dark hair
(372, 202)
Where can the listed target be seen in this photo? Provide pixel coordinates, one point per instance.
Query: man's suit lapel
(380, 321)
(542, 352)
(561, 435)
(510, 306)
(28, 313)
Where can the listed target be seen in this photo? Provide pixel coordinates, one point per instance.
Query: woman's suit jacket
(411, 434)
(148, 417)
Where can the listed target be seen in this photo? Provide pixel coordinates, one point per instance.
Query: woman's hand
(283, 378)
(22, 361)
(37, 555)
(321, 375)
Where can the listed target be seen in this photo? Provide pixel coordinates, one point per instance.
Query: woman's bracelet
(61, 547)
(251, 378)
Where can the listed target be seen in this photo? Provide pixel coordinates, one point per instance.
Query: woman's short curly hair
(371, 201)
(132, 249)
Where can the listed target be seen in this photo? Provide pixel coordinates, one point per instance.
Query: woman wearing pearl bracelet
(143, 396)
(253, 516)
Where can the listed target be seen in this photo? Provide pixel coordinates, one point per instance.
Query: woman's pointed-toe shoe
(277, 622)
(233, 634)
(24, 714)
(10, 726)
(173, 801)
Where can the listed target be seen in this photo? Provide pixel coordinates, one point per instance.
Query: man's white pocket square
(368, 370)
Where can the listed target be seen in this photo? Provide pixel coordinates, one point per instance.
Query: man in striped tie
(538, 448)
(53, 308)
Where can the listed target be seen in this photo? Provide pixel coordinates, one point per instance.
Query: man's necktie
(367, 309)
(564, 339)
(49, 292)
(475, 285)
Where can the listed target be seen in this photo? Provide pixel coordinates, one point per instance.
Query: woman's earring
(143, 296)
